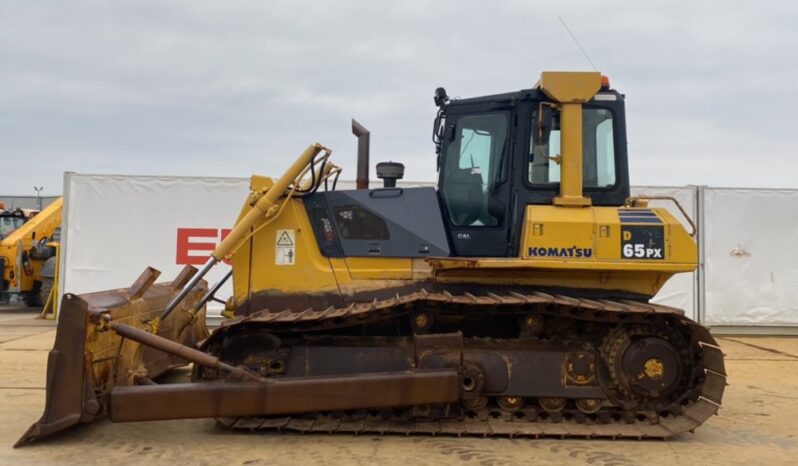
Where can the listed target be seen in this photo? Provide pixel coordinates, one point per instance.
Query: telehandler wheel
(38, 296)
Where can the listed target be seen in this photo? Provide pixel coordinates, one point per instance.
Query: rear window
(598, 152)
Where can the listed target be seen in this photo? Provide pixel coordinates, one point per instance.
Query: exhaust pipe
(363, 140)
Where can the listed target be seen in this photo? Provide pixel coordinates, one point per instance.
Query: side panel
(618, 250)
(650, 239)
(282, 261)
(388, 222)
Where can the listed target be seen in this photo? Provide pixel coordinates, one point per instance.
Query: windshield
(9, 224)
(598, 151)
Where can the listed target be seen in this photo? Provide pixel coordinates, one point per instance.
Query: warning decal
(285, 247)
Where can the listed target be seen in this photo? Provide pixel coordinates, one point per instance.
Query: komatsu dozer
(511, 300)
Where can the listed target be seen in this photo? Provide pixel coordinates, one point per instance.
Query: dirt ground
(757, 424)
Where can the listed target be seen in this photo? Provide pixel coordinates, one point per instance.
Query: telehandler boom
(512, 300)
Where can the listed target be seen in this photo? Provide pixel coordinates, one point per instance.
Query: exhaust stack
(363, 141)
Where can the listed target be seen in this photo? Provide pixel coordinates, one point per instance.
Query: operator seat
(465, 196)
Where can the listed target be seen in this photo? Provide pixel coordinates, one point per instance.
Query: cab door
(474, 181)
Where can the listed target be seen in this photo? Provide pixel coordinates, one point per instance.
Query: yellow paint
(380, 268)
(653, 368)
(596, 233)
(570, 90)
(588, 239)
(576, 229)
(557, 227)
(633, 281)
(254, 263)
(254, 268)
(571, 166)
(264, 202)
(570, 86)
(260, 184)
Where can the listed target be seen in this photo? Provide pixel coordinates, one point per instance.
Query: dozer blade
(110, 345)
(87, 360)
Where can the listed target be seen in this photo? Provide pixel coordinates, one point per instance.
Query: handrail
(630, 203)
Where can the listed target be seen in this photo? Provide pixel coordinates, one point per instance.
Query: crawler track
(697, 400)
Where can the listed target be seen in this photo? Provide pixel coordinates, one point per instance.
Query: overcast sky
(229, 88)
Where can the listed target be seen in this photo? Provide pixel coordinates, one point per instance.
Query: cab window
(598, 152)
(9, 224)
(472, 161)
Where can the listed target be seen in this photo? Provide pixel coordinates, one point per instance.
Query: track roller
(552, 405)
(510, 403)
(588, 405)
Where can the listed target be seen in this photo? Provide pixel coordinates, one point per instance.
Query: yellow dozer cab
(28, 254)
(511, 300)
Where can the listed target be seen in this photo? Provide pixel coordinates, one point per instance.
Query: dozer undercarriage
(506, 302)
(503, 363)
(528, 364)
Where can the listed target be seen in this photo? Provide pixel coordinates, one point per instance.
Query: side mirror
(440, 97)
(543, 125)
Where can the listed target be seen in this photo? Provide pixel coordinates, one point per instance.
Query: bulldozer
(512, 300)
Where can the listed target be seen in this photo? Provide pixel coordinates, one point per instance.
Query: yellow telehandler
(28, 254)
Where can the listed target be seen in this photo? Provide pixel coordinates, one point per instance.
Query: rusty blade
(88, 359)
